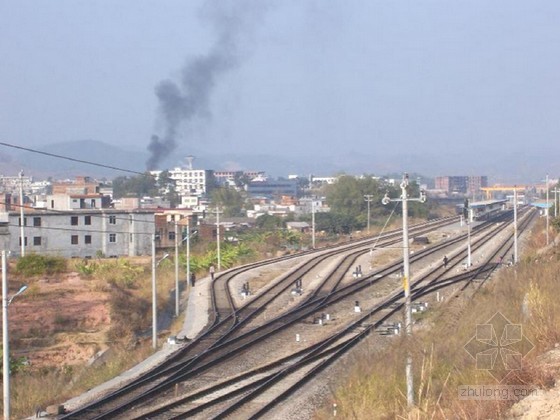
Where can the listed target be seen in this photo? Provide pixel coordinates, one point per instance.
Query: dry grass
(526, 295)
(129, 287)
(31, 390)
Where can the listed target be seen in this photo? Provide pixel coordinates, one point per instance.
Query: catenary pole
(515, 249)
(368, 198)
(313, 223)
(5, 340)
(176, 268)
(406, 283)
(547, 211)
(154, 294)
(21, 216)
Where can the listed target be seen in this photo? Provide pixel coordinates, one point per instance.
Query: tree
(241, 179)
(346, 199)
(229, 199)
(135, 186)
(269, 222)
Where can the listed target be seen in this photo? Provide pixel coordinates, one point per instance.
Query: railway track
(220, 336)
(320, 355)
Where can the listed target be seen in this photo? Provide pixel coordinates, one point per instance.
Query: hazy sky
(445, 78)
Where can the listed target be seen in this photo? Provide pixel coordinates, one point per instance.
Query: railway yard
(271, 338)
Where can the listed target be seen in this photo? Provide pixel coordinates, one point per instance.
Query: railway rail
(219, 342)
(225, 319)
(326, 352)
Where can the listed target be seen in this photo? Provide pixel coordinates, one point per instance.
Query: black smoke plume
(180, 102)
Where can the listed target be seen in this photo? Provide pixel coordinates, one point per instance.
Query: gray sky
(451, 81)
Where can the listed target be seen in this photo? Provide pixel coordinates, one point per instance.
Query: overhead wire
(28, 149)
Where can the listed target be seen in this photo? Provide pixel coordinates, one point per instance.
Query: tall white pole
(469, 254)
(555, 191)
(368, 198)
(515, 255)
(154, 294)
(218, 238)
(406, 282)
(5, 339)
(407, 303)
(22, 229)
(176, 268)
(313, 223)
(547, 210)
(188, 251)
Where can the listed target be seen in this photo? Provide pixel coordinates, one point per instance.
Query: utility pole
(313, 223)
(5, 339)
(154, 294)
(515, 258)
(188, 251)
(368, 198)
(406, 282)
(555, 191)
(467, 216)
(21, 218)
(218, 238)
(547, 210)
(6, 300)
(176, 267)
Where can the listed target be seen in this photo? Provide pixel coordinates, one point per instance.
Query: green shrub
(37, 265)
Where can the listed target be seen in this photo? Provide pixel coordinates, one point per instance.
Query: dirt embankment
(59, 321)
(543, 404)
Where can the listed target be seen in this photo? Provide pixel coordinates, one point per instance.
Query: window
(24, 221)
(74, 220)
(113, 220)
(36, 241)
(93, 203)
(171, 236)
(87, 239)
(112, 237)
(52, 204)
(24, 241)
(37, 221)
(74, 239)
(87, 220)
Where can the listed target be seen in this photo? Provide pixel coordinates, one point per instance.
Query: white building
(188, 181)
(83, 233)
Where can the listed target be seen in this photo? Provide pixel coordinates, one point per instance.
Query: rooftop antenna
(189, 160)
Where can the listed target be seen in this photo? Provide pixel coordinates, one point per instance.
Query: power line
(27, 149)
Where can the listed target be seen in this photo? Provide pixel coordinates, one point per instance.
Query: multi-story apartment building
(82, 233)
(461, 184)
(12, 184)
(191, 181)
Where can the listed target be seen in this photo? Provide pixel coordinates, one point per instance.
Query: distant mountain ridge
(93, 151)
(499, 168)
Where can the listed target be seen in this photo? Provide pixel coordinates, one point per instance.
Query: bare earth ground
(544, 404)
(61, 321)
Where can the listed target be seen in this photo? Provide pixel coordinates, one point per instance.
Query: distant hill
(498, 167)
(43, 166)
